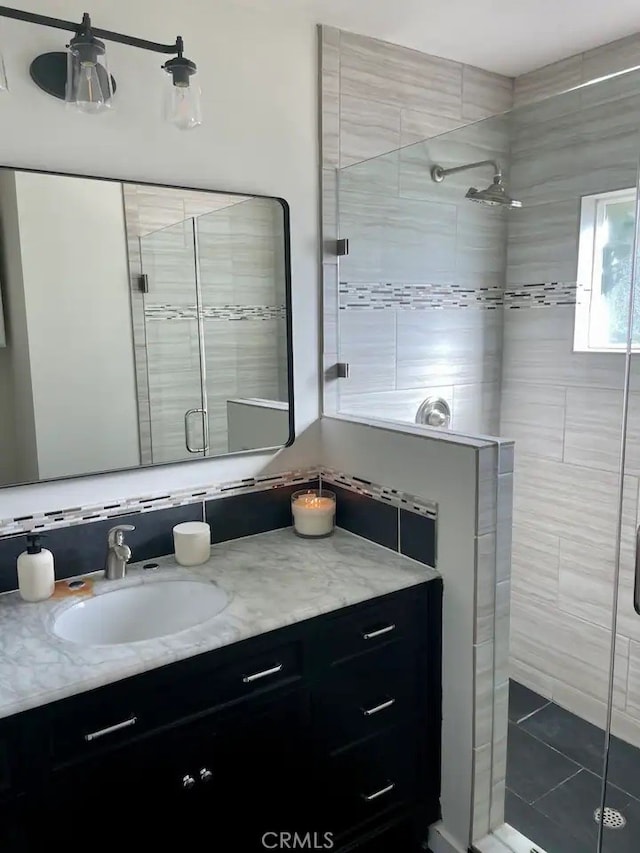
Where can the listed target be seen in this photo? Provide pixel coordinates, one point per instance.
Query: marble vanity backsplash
(77, 536)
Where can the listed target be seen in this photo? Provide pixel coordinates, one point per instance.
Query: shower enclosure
(214, 329)
(522, 323)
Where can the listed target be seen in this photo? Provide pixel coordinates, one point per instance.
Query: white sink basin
(143, 612)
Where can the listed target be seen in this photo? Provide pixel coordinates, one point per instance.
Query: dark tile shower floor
(554, 771)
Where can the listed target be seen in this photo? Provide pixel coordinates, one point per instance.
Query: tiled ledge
(428, 433)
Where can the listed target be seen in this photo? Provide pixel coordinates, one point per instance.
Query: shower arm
(439, 174)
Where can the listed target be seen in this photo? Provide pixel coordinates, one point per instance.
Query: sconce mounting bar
(74, 27)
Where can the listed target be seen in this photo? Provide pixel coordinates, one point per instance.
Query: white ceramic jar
(192, 543)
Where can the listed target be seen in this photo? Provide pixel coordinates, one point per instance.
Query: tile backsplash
(147, 503)
(77, 536)
(82, 548)
(253, 512)
(366, 517)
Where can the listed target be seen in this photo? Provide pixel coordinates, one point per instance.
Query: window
(605, 252)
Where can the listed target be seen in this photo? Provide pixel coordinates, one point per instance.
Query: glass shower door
(178, 423)
(618, 307)
(421, 288)
(486, 309)
(241, 287)
(568, 397)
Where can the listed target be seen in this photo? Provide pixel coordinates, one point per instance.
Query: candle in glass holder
(314, 513)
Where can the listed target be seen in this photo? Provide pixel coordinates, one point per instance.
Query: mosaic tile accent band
(539, 295)
(215, 312)
(403, 500)
(416, 297)
(412, 297)
(99, 512)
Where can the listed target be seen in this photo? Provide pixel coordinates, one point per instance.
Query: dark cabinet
(317, 729)
(13, 827)
(189, 778)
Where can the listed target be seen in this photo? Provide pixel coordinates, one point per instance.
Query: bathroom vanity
(311, 704)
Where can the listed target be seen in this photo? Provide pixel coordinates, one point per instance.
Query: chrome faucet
(118, 553)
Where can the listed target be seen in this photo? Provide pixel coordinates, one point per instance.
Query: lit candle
(313, 513)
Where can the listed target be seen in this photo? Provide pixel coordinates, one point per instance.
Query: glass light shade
(4, 85)
(88, 81)
(182, 106)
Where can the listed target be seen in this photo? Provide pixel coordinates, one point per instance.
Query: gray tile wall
(406, 230)
(491, 634)
(574, 70)
(563, 408)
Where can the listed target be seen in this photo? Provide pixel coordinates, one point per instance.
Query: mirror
(139, 325)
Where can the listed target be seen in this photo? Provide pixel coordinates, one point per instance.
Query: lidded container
(36, 576)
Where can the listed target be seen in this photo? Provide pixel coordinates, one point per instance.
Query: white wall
(258, 75)
(76, 286)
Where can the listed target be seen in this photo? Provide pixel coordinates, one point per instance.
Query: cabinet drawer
(97, 721)
(116, 714)
(367, 694)
(368, 780)
(248, 674)
(370, 627)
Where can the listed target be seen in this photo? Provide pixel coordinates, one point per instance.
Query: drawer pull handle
(371, 635)
(387, 790)
(111, 729)
(264, 674)
(369, 712)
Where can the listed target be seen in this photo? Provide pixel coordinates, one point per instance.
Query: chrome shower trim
(495, 195)
(438, 173)
(434, 412)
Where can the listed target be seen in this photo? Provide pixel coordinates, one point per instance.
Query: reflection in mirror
(140, 325)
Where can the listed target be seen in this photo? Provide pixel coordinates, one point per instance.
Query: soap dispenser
(36, 577)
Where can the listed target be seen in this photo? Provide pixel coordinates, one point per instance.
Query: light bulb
(89, 86)
(89, 96)
(183, 106)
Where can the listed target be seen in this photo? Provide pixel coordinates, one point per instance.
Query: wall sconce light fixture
(81, 76)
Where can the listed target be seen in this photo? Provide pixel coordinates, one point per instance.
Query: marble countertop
(273, 579)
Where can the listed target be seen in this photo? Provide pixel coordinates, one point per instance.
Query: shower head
(494, 195)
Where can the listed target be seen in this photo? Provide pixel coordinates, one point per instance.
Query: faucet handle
(115, 536)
